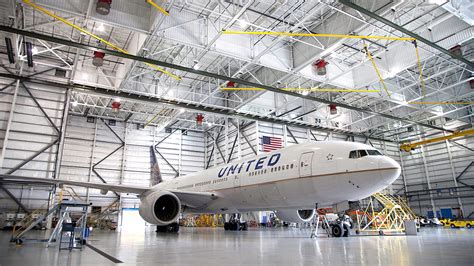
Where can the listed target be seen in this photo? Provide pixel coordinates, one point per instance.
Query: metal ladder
(315, 225)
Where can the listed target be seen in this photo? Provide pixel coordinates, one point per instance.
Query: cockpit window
(374, 152)
(361, 153)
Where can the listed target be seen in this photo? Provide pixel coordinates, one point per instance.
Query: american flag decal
(271, 143)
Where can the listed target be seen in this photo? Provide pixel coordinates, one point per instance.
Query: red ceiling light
(230, 84)
(103, 7)
(320, 67)
(471, 83)
(199, 119)
(98, 59)
(116, 105)
(332, 109)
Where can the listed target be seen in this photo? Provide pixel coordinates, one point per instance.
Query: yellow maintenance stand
(391, 218)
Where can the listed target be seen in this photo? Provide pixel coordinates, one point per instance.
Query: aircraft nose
(390, 169)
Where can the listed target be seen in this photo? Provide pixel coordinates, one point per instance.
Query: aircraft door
(305, 164)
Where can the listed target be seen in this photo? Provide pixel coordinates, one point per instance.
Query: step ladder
(315, 225)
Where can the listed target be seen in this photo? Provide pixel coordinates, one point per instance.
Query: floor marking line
(107, 256)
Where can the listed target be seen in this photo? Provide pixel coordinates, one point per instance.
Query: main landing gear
(234, 224)
(170, 228)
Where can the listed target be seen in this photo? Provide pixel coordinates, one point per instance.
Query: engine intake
(296, 216)
(160, 208)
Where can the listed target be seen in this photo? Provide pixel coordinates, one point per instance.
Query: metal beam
(233, 146)
(407, 32)
(222, 111)
(291, 134)
(241, 130)
(207, 74)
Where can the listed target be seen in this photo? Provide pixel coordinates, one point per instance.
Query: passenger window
(363, 153)
(287, 167)
(291, 166)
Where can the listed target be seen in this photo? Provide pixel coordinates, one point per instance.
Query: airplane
(292, 181)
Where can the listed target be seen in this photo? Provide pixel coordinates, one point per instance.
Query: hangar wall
(440, 175)
(86, 144)
(25, 131)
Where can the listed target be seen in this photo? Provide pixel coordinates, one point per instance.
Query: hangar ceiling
(192, 37)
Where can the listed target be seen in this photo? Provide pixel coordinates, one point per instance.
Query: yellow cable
(441, 102)
(376, 70)
(28, 2)
(158, 7)
(294, 34)
(423, 87)
(151, 120)
(299, 89)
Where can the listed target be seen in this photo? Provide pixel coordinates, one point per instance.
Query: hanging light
(332, 109)
(103, 7)
(98, 59)
(116, 105)
(199, 119)
(320, 67)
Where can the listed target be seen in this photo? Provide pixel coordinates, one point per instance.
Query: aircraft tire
(346, 230)
(337, 230)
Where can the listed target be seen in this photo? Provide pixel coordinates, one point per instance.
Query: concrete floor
(214, 246)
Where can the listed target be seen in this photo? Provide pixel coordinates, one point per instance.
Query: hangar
(256, 122)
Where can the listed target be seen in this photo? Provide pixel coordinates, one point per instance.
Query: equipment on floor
(235, 223)
(460, 223)
(389, 219)
(71, 214)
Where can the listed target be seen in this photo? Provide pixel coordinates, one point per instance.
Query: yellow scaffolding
(390, 219)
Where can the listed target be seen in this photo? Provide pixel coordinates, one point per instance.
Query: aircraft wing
(194, 200)
(191, 199)
(50, 181)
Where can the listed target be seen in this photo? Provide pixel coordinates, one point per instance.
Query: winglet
(155, 173)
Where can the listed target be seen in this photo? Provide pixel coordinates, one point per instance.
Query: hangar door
(305, 164)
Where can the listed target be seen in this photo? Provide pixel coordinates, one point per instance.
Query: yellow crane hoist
(411, 146)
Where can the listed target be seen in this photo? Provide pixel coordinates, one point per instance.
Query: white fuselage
(295, 177)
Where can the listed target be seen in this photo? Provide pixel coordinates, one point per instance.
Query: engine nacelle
(295, 216)
(160, 208)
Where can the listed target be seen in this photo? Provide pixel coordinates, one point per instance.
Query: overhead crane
(411, 146)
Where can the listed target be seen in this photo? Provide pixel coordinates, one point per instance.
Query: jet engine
(160, 208)
(295, 216)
